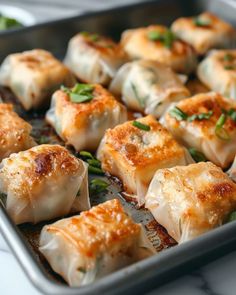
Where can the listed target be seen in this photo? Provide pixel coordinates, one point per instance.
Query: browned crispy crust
(98, 229)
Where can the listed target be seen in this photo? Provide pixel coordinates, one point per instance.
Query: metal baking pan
(171, 259)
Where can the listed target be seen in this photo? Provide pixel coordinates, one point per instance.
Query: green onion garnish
(94, 164)
(178, 114)
(219, 129)
(201, 116)
(232, 216)
(98, 185)
(141, 126)
(8, 23)
(228, 57)
(196, 155)
(167, 37)
(80, 92)
(92, 37)
(229, 67)
(201, 22)
(232, 114)
(43, 139)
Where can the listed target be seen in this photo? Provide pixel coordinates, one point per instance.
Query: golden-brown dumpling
(86, 247)
(191, 200)
(206, 122)
(133, 151)
(94, 58)
(83, 125)
(148, 86)
(204, 32)
(42, 183)
(159, 43)
(14, 132)
(33, 76)
(218, 72)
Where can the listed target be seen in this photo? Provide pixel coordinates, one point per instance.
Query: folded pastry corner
(43, 183)
(159, 43)
(222, 62)
(81, 115)
(94, 58)
(204, 32)
(191, 200)
(206, 122)
(33, 76)
(148, 86)
(86, 247)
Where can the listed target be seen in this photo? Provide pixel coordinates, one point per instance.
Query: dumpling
(81, 115)
(206, 122)
(204, 32)
(14, 132)
(222, 62)
(42, 183)
(191, 200)
(33, 76)
(133, 151)
(160, 44)
(94, 58)
(86, 247)
(148, 86)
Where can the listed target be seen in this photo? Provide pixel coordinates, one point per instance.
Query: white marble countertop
(216, 278)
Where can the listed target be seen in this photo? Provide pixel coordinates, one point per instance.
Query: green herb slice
(43, 139)
(155, 36)
(80, 93)
(78, 98)
(141, 126)
(178, 114)
(94, 164)
(229, 67)
(232, 216)
(196, 155)
(232, 114)
(167, 37)
(202, 116)
(200, 22)
(98, 185)
(8, 23)
(228, 57)
(219, 129)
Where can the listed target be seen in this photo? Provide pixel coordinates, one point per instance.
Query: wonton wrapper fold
(94, 60)
(86, 247)
(42, 183)
(33, 76)
(148, 86)
(191, 200)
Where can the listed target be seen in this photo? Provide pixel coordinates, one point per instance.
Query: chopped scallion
(200, 22)
(141, 126)
(219, 129)
(98, 185)
(79, 93)
(94, 164)
(178, 114)
(201, 116)
(196, 155)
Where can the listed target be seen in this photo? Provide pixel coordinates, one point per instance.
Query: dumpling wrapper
(179, 55)
(204, 32)
(33, 76)
(43, 183)
(222, 62)
(148, 86)
(191, 200)
(83, 125)
(14, 132)
(202, 134)
(133, 155)
(86, 247)
(94, 58)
